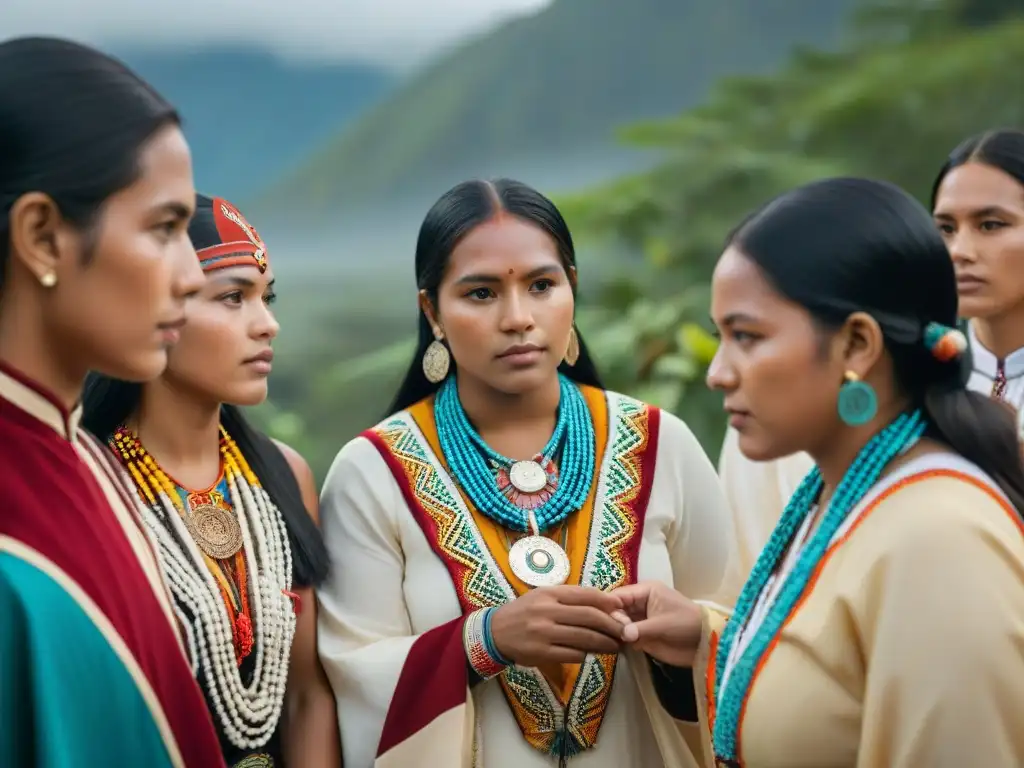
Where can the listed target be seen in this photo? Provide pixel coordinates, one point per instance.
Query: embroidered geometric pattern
(610, 561)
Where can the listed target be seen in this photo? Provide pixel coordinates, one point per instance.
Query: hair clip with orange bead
(945, 343)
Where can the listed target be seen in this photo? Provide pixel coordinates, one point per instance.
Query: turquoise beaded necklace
(473, 463)
(862, 475)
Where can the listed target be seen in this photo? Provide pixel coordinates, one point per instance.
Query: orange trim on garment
(562, 677)
(916, 478)
(710, 678)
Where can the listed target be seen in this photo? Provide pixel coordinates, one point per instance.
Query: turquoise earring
(858, 403)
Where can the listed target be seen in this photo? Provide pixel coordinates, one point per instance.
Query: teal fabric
(66, 700)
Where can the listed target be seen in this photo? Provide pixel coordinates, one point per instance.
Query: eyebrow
(733, 318)
(241, 282)
(988, 210)
(179, 210)
(481, 278)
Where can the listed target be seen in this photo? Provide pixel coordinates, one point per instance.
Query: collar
(38, 402)
(986, 363)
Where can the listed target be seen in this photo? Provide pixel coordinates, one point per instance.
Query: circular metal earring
(858, 402)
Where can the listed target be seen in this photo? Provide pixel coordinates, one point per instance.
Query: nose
(961, 249)
(720, 376)
(187, 276)
(265, 327)
(515, 315)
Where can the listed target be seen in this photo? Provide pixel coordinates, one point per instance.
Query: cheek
(209, 346)
(1010, 257)
(143, 275)
(468, 329)
(791, 386)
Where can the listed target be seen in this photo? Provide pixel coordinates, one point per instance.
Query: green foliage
(892, 111)
(891, 107)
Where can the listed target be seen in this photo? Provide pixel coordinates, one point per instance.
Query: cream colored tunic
(908, 651)
(388, 585)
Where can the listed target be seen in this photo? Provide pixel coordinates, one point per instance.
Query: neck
(181, 431)
(839, 452)
(1002, 335)
(491, 410)
(24, 347)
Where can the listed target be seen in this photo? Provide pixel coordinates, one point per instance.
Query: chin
(522, 381)
(757, 448)
(980, 307)
(247, 395)
(140, 368)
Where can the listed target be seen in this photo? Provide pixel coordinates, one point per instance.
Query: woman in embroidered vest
(477, 530)
(978, 204)
(233, 512)
(95, 265)
(881, 625)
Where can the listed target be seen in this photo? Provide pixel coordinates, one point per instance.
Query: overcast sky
(394, 32)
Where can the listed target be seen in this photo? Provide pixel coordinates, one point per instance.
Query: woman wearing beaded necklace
(477, 530)
(978, 205)
(881, 625)
(95, 268)
(233, 513)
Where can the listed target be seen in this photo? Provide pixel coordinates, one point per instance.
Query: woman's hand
(557, 624)
(659, 621)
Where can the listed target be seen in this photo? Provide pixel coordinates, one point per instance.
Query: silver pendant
(537, 560)
(527, 476)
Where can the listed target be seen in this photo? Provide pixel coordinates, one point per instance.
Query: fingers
(622, 617)
(563, 655)
(587, 618)
(634, 597)
(630, 633)
(589, 596)
(583, 639)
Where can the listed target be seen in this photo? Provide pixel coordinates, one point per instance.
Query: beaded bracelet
(489, 645)
(476, 637)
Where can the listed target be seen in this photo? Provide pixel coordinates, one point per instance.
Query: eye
(991, 225)
(543, 285)
(744, 338)
(166, 229)
(233, 297)
(946, 228)
(480, 294)
(270, 298)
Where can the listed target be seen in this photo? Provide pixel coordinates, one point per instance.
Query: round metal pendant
(527, 476)
(539, 561)
(215, 530)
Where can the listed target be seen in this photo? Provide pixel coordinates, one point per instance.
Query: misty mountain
(250, 116)
(541, 97)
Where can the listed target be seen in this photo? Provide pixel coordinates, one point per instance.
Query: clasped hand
(563, 624)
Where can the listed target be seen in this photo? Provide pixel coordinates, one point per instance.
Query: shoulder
(360, 461)
(303, 476)
(299, 466)
(941, 515)
(670, 430)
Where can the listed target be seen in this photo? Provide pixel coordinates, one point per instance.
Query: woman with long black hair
(232, 511)
(978, 205)
(477, 530)
(882, 623)
(95, 266)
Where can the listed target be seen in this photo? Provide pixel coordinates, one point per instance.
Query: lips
(173, 325)
(521, 349)
(266, 356)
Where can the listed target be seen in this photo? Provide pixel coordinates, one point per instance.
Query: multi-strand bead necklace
(190, 545)
(734, 672)
(529, 496)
